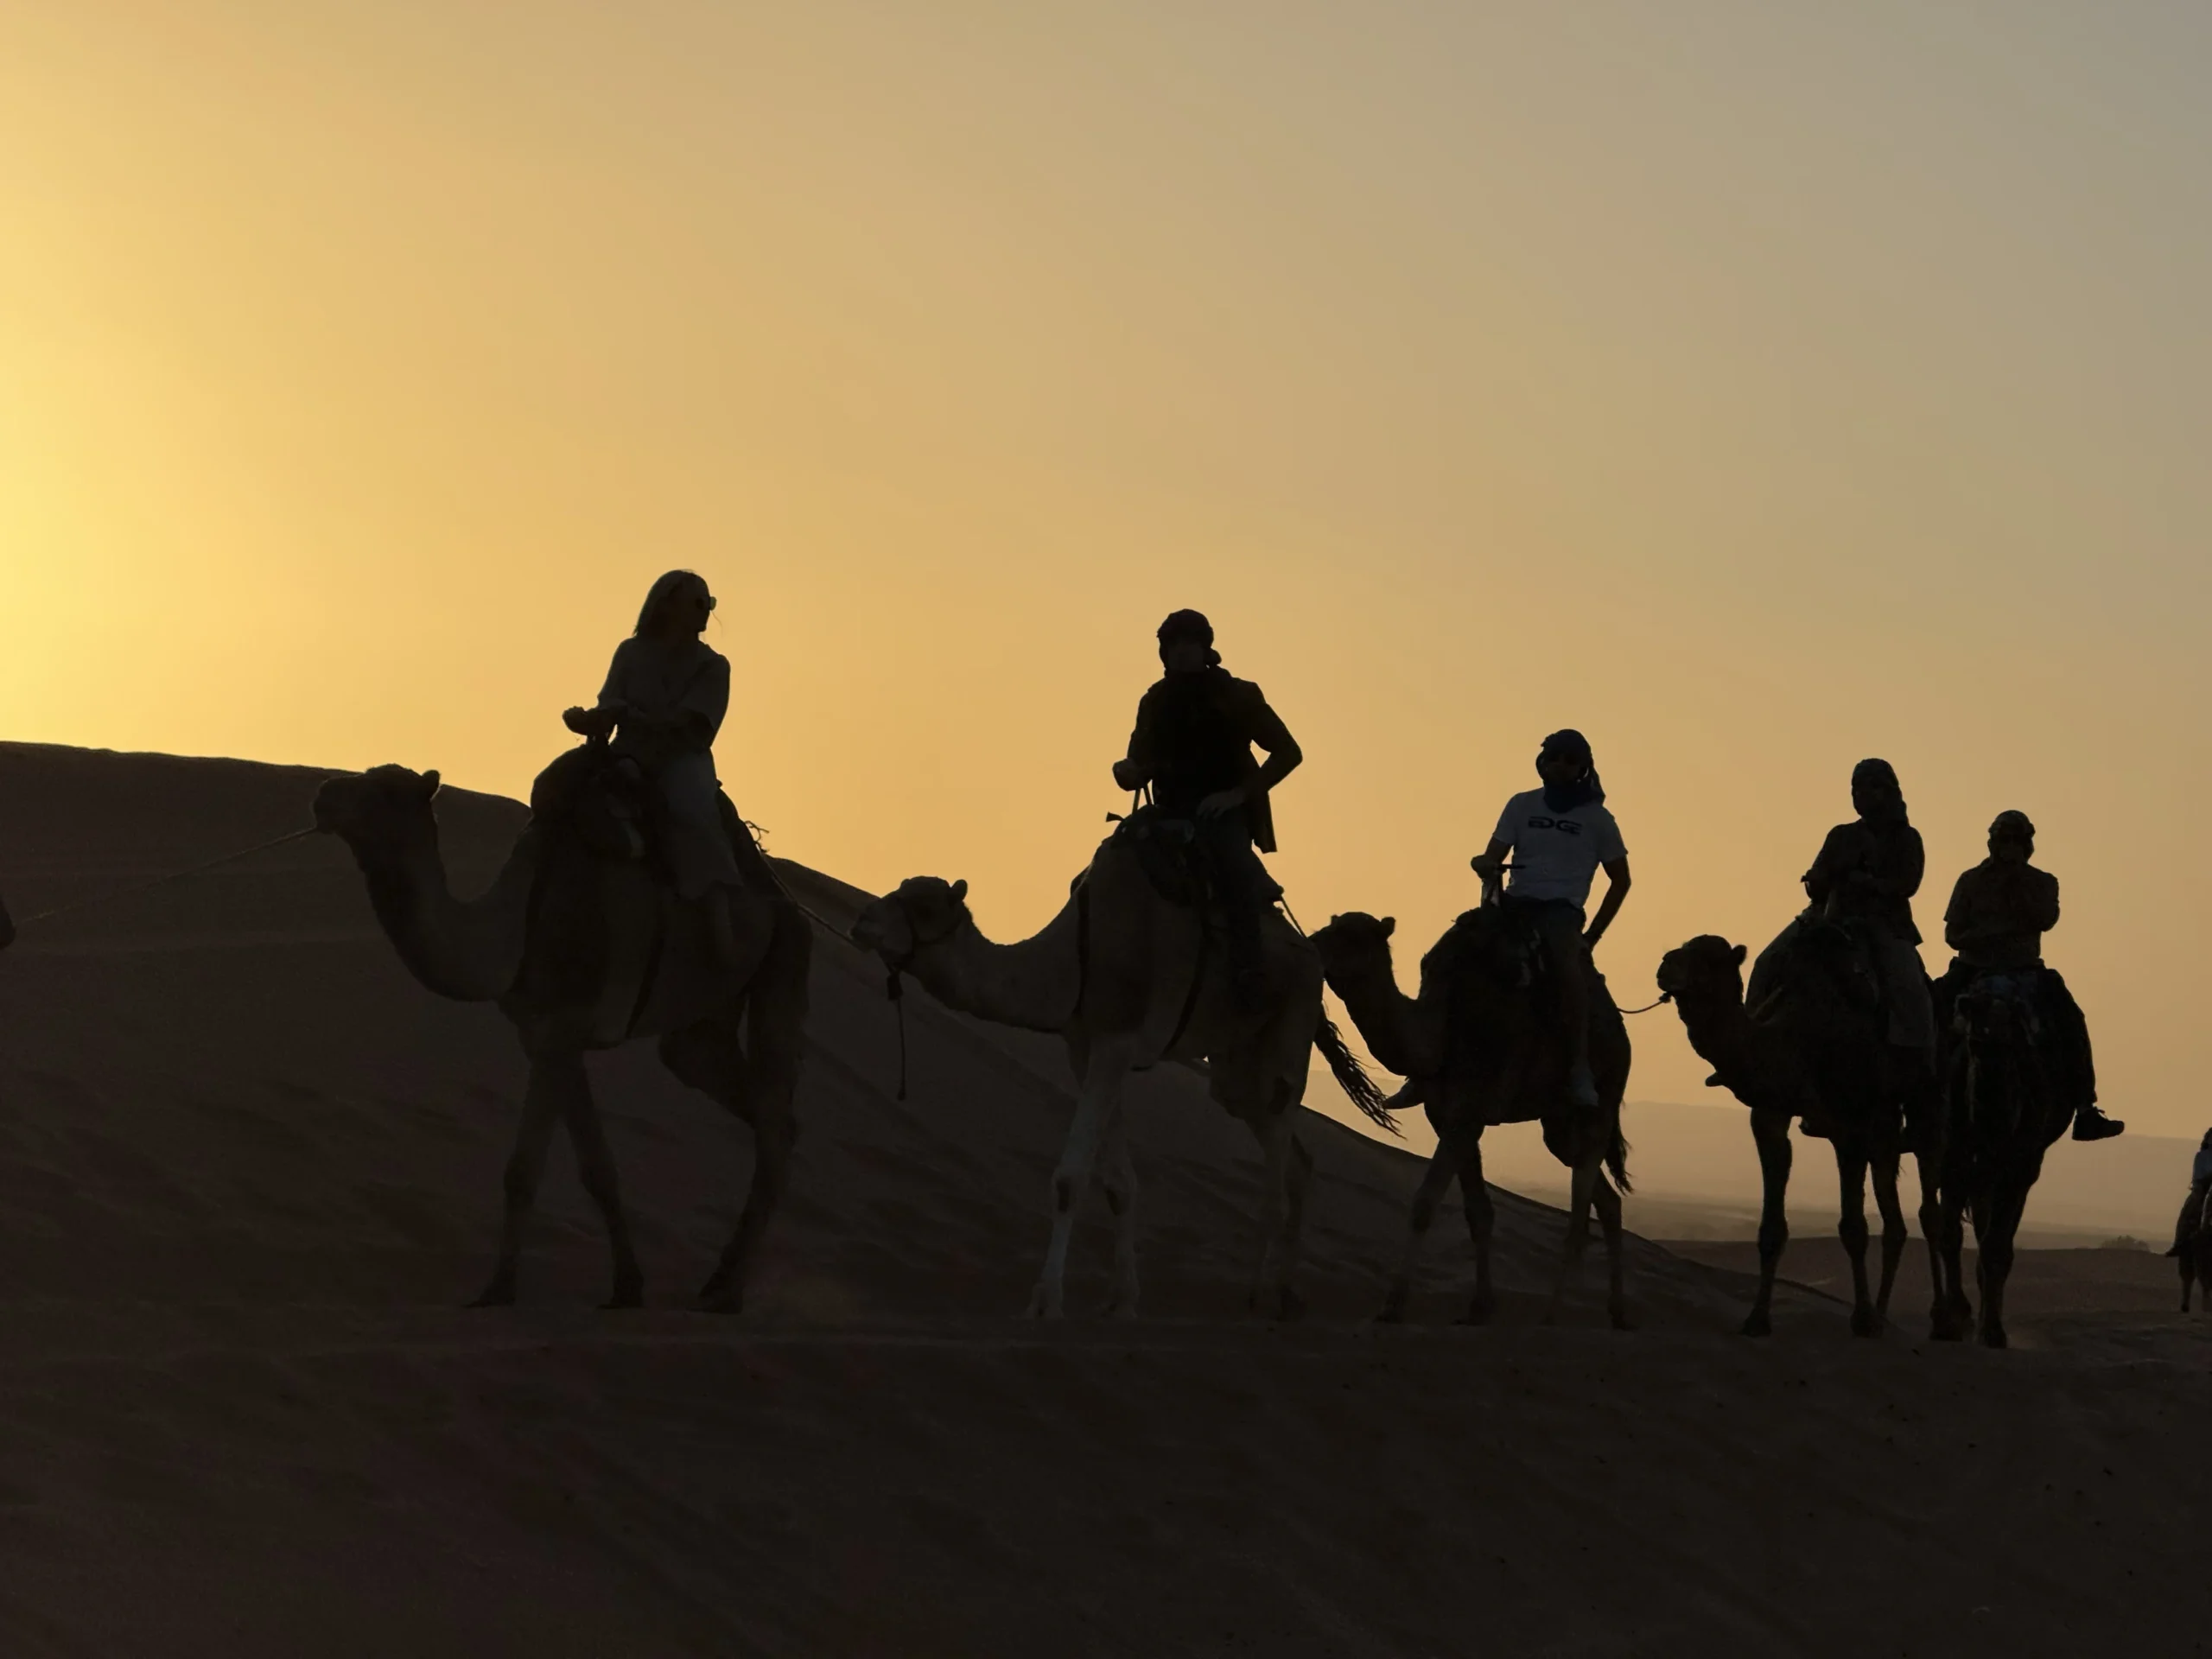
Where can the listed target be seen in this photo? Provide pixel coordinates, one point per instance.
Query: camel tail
(1617, 1162)
(1351, 1077)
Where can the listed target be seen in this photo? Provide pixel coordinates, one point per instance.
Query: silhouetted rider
(1868, 870)
(1560, 836)
(1195, 732)
(2200, 1187)
(1999, 912)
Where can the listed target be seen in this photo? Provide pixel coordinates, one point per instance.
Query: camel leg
(1851, 1228)
(1095, 1109)
(595, 1164)
(1953, 1312)
(1770, 1133)
(1941, 1271)
(551, 1076)
(1269, 1270)
(1994, 1263)
(1895, 1234)
(775, 1132)
(1608, 1203)
(1581, 1186)
(2188, 1277)
(1451, 1154)
(1482, 1227)
(1298, 1183)
(1118, 1175)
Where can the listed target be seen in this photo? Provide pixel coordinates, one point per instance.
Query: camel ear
(429, 785)
(1739, 953)
(1390, 926)
(960, 891)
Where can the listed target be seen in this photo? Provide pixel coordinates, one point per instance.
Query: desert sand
(248, 1171)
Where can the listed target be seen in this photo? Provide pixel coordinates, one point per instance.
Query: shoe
(2091, 1124)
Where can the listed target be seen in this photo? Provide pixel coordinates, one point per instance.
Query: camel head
(1355, 949)
(381, 814)
(1994, 1013)
(1707, 967)
(922, 911)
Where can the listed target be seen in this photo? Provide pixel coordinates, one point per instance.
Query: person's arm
(600, 720)
(1133, 771)
(1902, 880)
(2043, 903)
(1617, 881)
(1264, 728)
(1830, 863)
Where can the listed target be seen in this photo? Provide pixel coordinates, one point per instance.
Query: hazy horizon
(1756, 387)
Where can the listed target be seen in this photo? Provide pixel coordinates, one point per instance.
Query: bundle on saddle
(1507, 1048)
(602, 863)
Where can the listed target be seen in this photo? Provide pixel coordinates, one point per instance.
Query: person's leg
(1560, 926)
(697, 848)
(2069, 1033)
(1240, 882)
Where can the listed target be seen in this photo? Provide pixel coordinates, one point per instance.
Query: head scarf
(1568, 744)
(1880, 775)
(2012, 822)
(1189, 624)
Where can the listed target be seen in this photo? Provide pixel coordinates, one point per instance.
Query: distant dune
(248, 1169)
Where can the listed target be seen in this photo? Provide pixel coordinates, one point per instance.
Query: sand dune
(248, 1169)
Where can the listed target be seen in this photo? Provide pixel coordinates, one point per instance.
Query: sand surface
(248, 1170)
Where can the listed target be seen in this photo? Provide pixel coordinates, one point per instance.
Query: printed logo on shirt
(1565, 826)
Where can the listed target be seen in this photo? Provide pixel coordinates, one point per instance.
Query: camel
(1128, 978)
(1817, 1047)
(2192, 1249)
(2004, 1115)
(1502, 1065)
(582, 952)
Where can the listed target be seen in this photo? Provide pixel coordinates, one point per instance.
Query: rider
(2200, 1187)
(1867, 871)
(1560, 836)
(1999, 912)
(665, 694)
(1195, 730)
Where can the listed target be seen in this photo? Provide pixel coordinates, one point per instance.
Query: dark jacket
(1998, 914)
(1891, 853)
(1194, 736)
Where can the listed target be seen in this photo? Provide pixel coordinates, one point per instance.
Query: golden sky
(1757, 386)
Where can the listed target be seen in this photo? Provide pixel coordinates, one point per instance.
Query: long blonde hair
(666, 587)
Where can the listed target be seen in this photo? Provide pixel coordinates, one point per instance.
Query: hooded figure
(1560, 836)
(1998, 912)
(1196, 729)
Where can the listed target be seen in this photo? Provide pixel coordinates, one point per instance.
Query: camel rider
(1195, 732)
(2200, 1187)
(1999, 912)
(665, 694)
(1867, 871)
(1560, 836)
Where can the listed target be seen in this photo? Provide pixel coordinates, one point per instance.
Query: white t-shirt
(1556, 855)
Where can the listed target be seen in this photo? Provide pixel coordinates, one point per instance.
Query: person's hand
(1220, 801)
(1128, 775)
(1486, 867)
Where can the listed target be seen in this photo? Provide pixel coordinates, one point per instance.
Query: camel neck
(1390, 1022)
(469, 951)
(1031, 984)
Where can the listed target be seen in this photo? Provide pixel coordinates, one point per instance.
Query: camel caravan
(636, 903)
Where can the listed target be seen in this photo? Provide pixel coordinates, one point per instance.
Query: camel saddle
(603, 801)
(1173, 859)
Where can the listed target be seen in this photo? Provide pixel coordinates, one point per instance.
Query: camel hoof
(500, 1292)
(1993, 1336)
(722, 1300)
(1480, 1311)
(1394, 1312)
(1043, 1305)
(1621, 1318)
(1758, 1325)
(1866, 1322)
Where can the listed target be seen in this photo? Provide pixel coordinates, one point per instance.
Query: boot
(2091, 1124)
(1581, 1086)
(722, 930)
